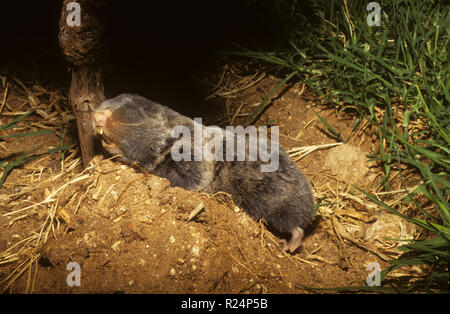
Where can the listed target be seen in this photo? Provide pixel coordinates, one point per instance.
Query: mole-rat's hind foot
(295, 241)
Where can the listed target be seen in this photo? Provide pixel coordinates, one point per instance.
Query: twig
(196, 211)
(5, 95)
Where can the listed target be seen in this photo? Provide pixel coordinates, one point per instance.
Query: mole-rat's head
(117, 120)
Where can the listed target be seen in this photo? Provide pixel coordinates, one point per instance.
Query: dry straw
(38, 188)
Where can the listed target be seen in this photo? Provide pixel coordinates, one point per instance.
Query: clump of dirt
(350, 164)
(130, 232)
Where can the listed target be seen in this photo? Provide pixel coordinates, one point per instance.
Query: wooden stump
(82, 44)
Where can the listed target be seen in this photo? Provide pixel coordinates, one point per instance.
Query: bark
(82, 46)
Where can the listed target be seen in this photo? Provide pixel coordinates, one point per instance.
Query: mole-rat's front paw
(294, 242)
(288, 246)
(109, 145)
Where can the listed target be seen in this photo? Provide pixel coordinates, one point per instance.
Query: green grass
(15, 162)
(401, 69)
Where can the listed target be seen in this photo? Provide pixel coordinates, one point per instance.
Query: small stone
(115, 246)
(195, 250)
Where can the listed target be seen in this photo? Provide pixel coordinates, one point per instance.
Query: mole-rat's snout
(95, 127)
(101, 117)
(99, 120)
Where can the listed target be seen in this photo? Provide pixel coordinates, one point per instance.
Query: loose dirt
(129, 230)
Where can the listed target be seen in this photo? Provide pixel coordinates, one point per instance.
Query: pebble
(195, 250)
(115, 246)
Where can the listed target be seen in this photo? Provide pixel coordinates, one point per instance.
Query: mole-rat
(142, 131)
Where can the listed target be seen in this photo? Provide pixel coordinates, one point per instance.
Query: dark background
(160, 50)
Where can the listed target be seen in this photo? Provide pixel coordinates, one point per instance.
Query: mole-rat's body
(140, 130)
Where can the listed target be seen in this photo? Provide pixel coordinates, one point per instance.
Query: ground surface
(129, 231)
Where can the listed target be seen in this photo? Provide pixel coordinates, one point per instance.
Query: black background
(158, 49)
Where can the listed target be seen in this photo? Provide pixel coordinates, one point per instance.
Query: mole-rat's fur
(140, 130)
